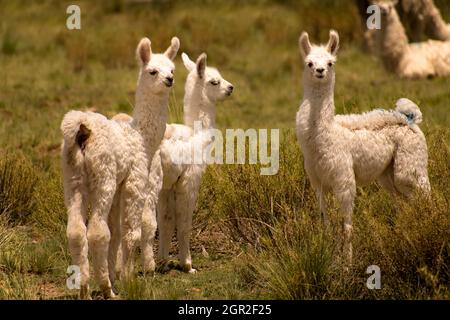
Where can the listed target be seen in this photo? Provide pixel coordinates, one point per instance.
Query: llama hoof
(150, 273)
(115, 290)
(188, 268)
(84, 293)
(192, 271)
(108, 293)
(150, 269)
(164, 266)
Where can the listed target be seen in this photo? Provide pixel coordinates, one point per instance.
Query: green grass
(262, 234)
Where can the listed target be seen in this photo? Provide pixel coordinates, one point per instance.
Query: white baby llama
(106, 166)
(181, 183)
(415, 60)
(341, 151)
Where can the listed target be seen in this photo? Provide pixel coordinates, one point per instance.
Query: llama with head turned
(204, 87)
(343, 151)
(106, 165)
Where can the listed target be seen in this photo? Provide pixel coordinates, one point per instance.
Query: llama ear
(201, 65)
(333, 43)
(171, 51)
(305, 45)
(188, 63)
(144, 51)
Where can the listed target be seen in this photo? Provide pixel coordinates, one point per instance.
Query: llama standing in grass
(204, 87)
(340, 151)
(106, 165)
(415, 60)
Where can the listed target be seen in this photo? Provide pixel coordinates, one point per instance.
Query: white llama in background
(177, 201)
(409, 60)
(425, 18)
(421, 17)
(106, 165)
(341, 151)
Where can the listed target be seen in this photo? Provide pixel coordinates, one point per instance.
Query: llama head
(319, 60)
(387, 8)
(206, 80)
(157, 69)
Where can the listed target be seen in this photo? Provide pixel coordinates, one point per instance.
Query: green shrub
(18, 179)
(291, 256)
(50, 213)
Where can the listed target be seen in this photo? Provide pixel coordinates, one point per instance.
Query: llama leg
(321, 197)
(407, 182)
(320, 192)
(118, 262)
(132, 207)
(99, 235)
(148, 223)
(148, 236)
(149, 216)
(184, 208)
(77, 238)
(114, 227)
(410, 170)
(346, 200)
(166, 223)
(386, 180)
(76, 200)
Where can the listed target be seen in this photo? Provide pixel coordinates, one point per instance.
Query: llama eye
(153, 72)
(310, 64)
(330, 64)
(214, 83)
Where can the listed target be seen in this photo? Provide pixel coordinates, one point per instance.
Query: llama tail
(410, 110)
(75, 129)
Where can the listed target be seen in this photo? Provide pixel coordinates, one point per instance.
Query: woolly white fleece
(177, 201)
(106, 164)
(341, 151)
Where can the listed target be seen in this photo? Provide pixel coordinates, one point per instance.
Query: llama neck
(394, 42)
(320, 98)
(197, 107)
(150, 115)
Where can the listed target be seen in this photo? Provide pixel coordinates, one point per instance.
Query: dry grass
(254, 236)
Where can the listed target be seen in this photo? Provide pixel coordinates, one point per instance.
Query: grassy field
(254, 236)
